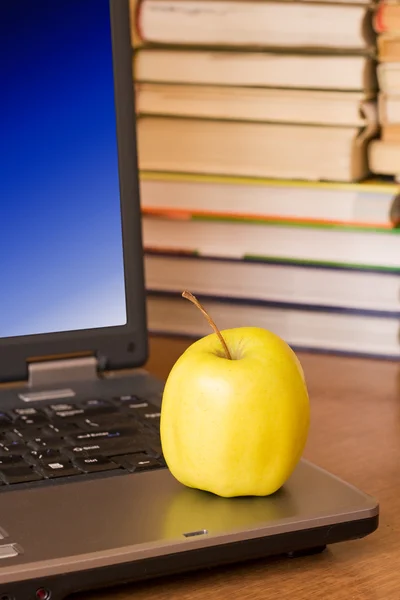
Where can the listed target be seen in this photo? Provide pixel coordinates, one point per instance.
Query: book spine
(299, 264)
(378, 20)
(388, 48)
(370, 186)
(390, 132)
(187, 215)
(386, 18)
(273, 304)
(295, 347)
(137, 32)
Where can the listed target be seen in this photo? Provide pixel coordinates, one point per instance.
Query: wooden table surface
(355, 433)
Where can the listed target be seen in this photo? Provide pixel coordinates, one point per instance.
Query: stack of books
(384, 154)
(254, 119)
(255, 88)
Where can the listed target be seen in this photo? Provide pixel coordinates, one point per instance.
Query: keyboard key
(155, 449)
(60, 407)
(46, 442)
(94, 411)
(26, 411)
(5, 422)
(131, 399)
(107, 434)
(84, 413)
(19, 474)
(11, 461)
(58, 429)
(97, 403)
(17, 448)
(152, 418)
(139, 462)
(22, 433)
(44, 455)
(106, 421)
(143, 411)
(69, 415)
(28, 420)
(106, 448)
(59, 468)
(95, 464)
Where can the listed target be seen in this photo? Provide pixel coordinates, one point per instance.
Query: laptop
(86, 499)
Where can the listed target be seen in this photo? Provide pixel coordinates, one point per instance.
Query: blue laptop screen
(61, 257)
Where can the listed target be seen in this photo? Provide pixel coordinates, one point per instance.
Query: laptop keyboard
(78, 439)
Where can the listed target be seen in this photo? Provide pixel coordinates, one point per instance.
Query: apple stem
(189, 296)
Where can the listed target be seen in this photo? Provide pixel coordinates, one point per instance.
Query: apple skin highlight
(235, 427)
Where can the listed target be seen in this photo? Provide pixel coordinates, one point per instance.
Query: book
(271, 150)
(389, 109)
(231, 239)
(390, 132)
(350, 72)
(252, 24)
(366, 204)
(134, 7)
(388, 47)
(314, 107)
(388, 75)
(286, 284)
(386, 17)
(384, 157)
(308, 329)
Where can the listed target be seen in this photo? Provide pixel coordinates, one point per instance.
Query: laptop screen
(61, 253)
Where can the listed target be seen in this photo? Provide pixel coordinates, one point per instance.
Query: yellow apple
(235, 426)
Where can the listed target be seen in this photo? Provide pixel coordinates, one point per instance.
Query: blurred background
(269, 157)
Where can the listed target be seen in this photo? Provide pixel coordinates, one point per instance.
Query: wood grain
(355, 433)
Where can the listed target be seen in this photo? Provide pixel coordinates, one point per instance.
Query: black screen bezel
(115, 347)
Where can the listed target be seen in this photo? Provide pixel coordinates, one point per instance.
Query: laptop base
(61, 586)
(108, 529)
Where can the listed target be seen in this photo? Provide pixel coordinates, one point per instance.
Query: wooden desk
(355, 433)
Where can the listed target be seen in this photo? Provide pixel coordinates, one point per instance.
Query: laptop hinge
(50, 372)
